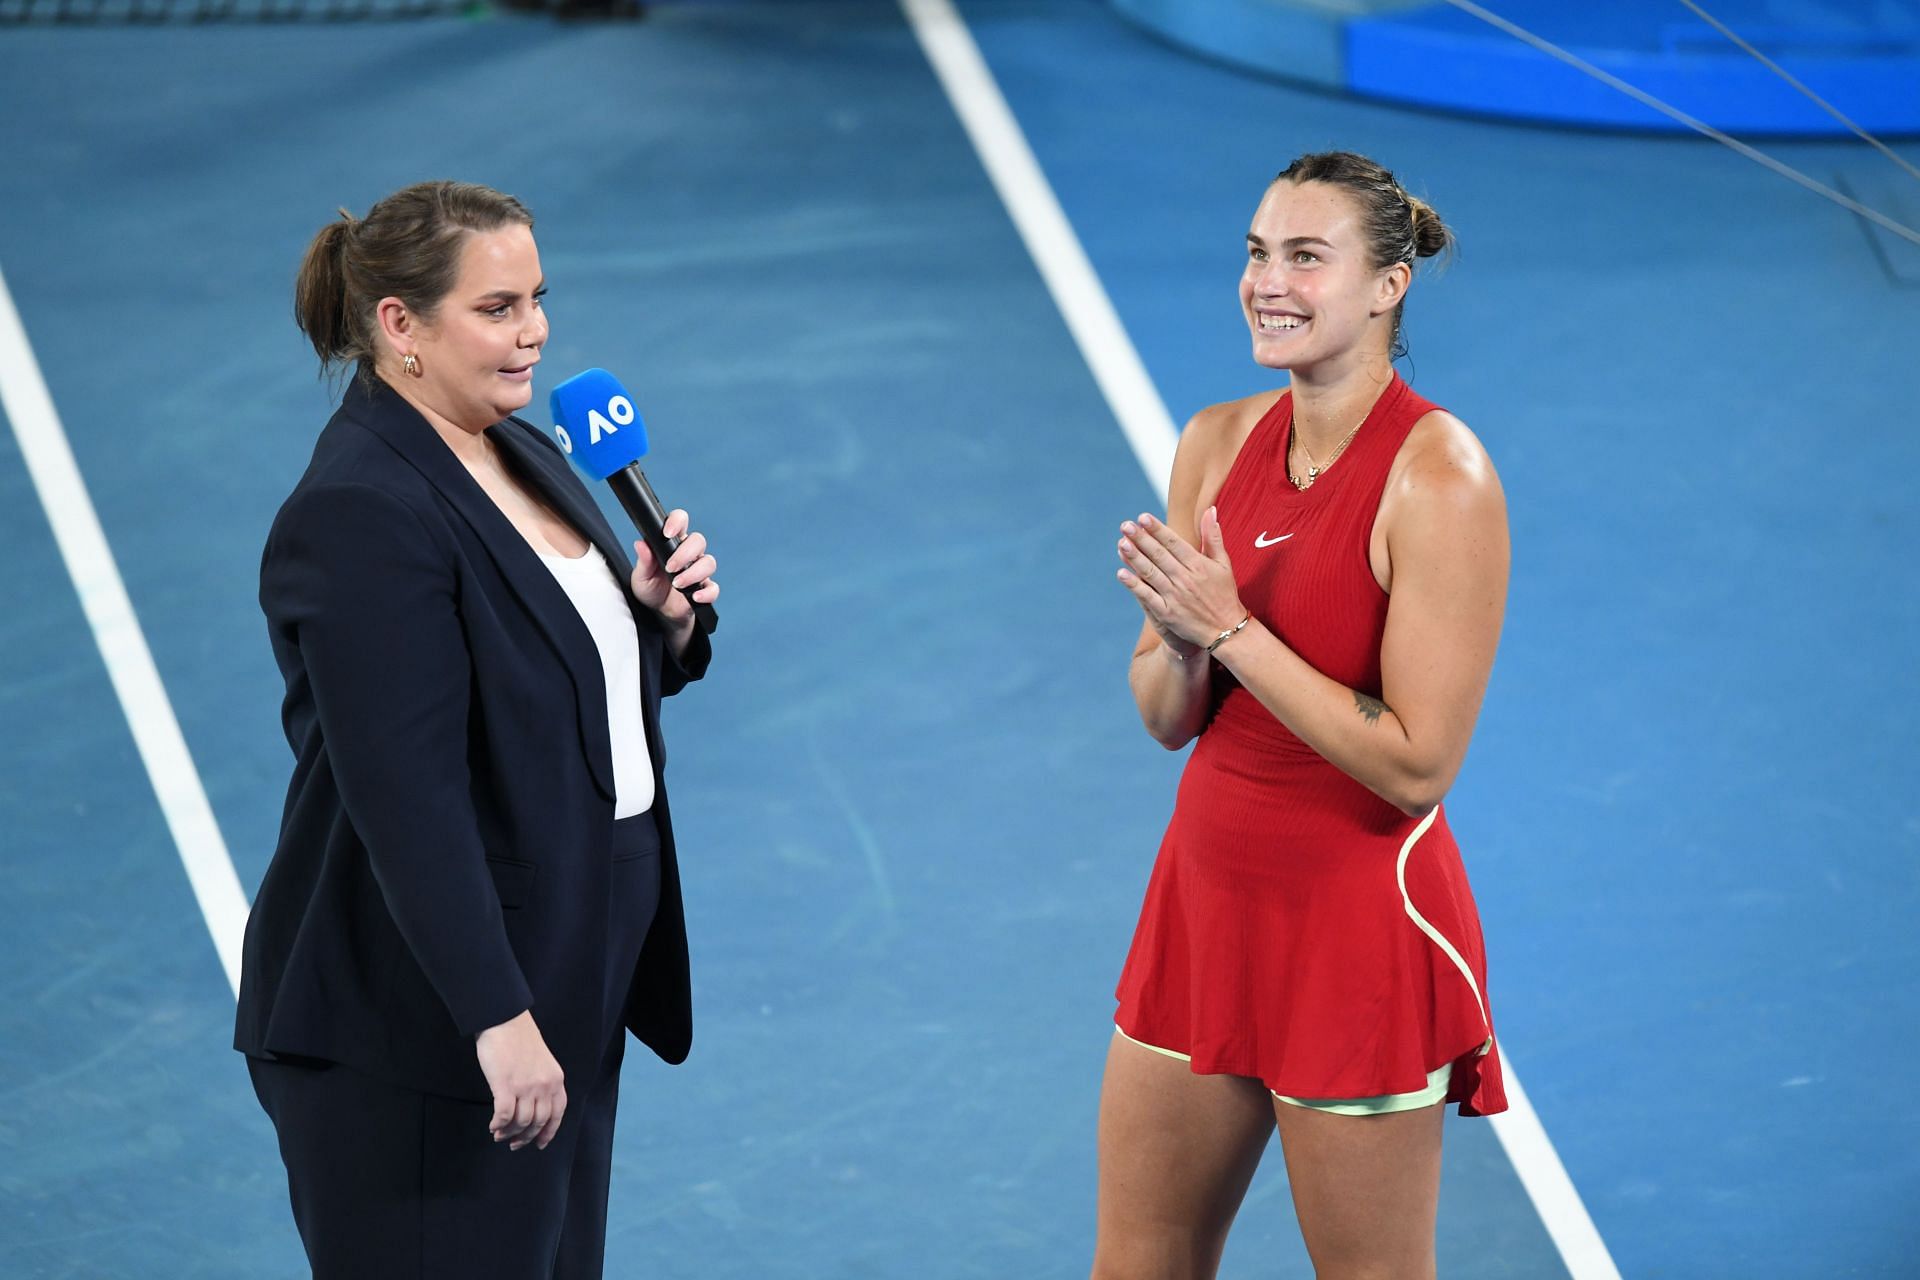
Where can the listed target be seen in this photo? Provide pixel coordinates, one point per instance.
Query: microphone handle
(637, 496)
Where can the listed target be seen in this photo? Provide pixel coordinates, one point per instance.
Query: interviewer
(475, 887)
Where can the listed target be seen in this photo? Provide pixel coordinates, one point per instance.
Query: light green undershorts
(1436, 1091)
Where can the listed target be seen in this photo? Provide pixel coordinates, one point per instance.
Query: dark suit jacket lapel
(383, 411)
(546, 471)
(553, 480)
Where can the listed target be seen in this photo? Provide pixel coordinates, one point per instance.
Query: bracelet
(1233, 630)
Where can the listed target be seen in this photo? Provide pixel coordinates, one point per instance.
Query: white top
(595, 593)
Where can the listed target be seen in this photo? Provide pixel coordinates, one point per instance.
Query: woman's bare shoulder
(1440, 444)
(1443, 463)
(1208, 446)
(1214, 435)
(1231, 421)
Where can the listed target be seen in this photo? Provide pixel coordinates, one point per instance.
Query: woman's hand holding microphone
(689, 569)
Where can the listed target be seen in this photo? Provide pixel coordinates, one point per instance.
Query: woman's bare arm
(1445, 525)
(1445, 521)
(1169, 676)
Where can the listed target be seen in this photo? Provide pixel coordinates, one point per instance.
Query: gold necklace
(1315, 468)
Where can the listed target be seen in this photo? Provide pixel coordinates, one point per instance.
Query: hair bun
(1430, 234)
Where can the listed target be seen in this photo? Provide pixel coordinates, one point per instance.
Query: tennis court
(915, 808)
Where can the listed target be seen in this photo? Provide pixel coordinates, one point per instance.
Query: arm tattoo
(1369, 707)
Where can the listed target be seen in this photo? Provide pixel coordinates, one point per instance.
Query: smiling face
(1310, 291)
(476, 354)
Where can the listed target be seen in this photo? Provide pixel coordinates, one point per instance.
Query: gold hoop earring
(411, 364)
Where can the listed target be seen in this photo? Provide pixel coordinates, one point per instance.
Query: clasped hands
(1187, 592)
(691, 566)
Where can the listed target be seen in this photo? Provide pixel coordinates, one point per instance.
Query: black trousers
(389, 1183)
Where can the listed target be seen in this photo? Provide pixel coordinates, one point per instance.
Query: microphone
(598, 427)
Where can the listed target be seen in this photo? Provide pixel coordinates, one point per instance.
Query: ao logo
(619, 409)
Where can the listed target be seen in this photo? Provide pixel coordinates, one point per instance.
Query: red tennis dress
(1298, 929)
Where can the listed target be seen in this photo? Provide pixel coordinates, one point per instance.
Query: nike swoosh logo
(1264, 541)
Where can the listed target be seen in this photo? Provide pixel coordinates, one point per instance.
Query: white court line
(116, 630)
(1130, 393)
(1056, 250)
(1553, 1194)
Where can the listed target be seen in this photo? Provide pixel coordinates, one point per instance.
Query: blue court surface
(916, 809)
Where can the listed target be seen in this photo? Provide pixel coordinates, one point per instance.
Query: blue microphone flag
(596, 424)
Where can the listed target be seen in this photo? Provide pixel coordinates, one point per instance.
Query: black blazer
(444, 855)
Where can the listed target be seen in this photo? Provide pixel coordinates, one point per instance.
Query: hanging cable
(1699, 126)
(1795, 81)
